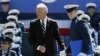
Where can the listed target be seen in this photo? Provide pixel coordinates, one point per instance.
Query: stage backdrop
(56, 11)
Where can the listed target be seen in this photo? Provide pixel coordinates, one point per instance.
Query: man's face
(5, 46)
(5, 7)
(41, 13)
(91, 11)
(72, 14)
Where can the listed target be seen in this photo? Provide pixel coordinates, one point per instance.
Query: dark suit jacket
(36, 37)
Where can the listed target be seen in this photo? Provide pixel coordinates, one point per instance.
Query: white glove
(97, 49)
(82, 54)
(16, 39)
(62, 53)
(13, 45)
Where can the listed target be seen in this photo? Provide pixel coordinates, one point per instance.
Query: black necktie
(43, 27)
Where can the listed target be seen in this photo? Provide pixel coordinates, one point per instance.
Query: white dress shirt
(45, 22)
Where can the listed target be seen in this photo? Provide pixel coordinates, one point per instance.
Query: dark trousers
(95, 54)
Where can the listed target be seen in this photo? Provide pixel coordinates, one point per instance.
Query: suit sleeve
(32, 38)
(58, 38)
(85, 38)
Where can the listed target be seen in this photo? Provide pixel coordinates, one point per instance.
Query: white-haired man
(42, 33)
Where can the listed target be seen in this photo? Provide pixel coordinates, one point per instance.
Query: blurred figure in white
(16, 12)
(16, 44)
(12, 18)
(5, 47)
(94, 21)
(95, 47)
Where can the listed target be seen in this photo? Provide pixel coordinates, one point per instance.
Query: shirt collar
(4, 51)
(45, 19)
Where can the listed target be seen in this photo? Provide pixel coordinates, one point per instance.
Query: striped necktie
(43, 27)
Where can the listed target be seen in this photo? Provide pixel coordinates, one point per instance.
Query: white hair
(42, 5)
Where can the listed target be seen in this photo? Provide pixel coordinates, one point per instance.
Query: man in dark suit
(42, 33)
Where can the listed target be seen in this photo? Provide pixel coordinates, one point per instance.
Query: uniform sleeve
(58, 38)
(13, 53)
(19, 32)
(85, 37)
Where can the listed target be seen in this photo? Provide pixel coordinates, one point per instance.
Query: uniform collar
(74, 19)
(4, 52)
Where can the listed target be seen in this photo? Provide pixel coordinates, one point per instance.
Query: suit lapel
(47, 26)
(39, 25)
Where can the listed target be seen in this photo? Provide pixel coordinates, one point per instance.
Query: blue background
(29, 6)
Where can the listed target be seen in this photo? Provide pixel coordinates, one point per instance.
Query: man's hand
(97, 49)
(42, 49)
(63, 53)
(82, 54)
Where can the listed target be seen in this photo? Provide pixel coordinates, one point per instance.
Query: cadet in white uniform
(5, 47)
(12, 18)
(16, 45)
(16, 12)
